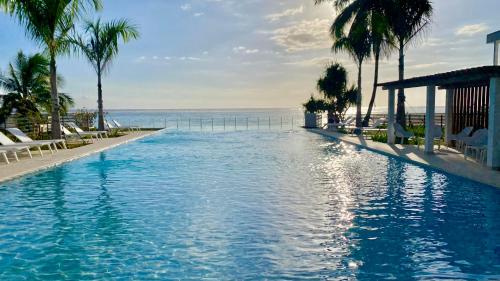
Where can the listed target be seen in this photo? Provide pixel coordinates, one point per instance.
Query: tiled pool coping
(446, 160)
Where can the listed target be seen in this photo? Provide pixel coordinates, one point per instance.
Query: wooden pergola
(472, 99)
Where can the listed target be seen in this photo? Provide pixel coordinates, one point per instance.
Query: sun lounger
(130, 128)
(8, 144)
(4, 154)
(68, 134)
(476, 143)
(20, 135)
(459, 138)
(96, 134)
(401, 133)
(334, 126)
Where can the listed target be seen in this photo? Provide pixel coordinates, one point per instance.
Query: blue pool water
(247, 205)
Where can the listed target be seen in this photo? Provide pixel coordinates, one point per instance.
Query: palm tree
(27, 83)
(392, 23)
(354, 16)
(357, 44)
(408, 19)
(49, 23)
(333, 86)
(100, 46)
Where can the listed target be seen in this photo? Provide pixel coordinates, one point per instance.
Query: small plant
(380, 137)
(85, 119)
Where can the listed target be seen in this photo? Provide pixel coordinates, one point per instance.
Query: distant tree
(338, 96)
(27, 83)
(49, 23)
(314, 105)
(99, 44)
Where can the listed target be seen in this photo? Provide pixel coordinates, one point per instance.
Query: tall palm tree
(27, 83)
(99, 45)
(357, 44)
(408, 19)
(49, 23)
(373, 13)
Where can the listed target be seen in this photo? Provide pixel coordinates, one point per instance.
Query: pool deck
(446, 160)
(27, 166)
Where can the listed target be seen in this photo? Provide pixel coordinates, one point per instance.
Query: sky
(250, 53)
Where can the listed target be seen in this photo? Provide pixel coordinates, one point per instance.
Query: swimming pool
(247, 205)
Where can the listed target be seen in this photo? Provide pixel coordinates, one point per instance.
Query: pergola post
(495, 52)
(429, 119)
(493, 154)
(390, 112)
(449, 115)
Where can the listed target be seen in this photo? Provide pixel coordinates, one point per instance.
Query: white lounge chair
(68, 134)
(401, 133)
(4, 154)
(476, 143)
(334, 126)
(20, 135)
(437, 134)
(130, 128)
(459, 138)
(19, 147)
(97, 134)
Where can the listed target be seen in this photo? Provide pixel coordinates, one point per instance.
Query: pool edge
(468, 176)
(72, 158)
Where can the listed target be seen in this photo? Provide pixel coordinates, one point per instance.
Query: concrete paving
(447, 160)
(26, 165)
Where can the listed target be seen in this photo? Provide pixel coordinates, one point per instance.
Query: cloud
(189, 58)
(199, 14)
(186, 7)
(304, 35)
(285, 13)
(472, 29)
(244, 50)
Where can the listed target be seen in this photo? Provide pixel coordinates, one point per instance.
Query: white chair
(130, 128)
(459, 138)
(8, 144)
(437, 134)
(476, 143)
(20, 135)
(401, 133)
(96, 134)
(4, 154)
(68, 134)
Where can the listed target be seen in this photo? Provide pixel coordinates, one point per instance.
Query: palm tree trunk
(401, 112)
(359, 97)
(374, 92)
(56, 118)
(99, 102)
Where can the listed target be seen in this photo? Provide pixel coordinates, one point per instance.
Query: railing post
(269, 122)
(224, 123)
(190, 123)
(247, 123)
(258, 122)
(235, 128)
